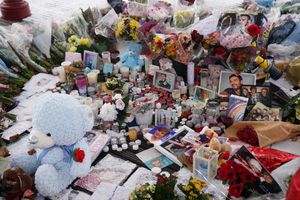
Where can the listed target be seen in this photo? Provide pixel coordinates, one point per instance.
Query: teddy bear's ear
(88, 117)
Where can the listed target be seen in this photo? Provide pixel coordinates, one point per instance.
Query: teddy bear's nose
(33, 139)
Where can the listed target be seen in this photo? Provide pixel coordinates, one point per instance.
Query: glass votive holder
(191, 90)
(176, 94)
(81, 84)
(132, 134)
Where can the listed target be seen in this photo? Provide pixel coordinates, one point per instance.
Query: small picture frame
(73, 57)
(90, 59)
(164, 80)
(202, 94)
(257, 94)
(107, 68)
(231, 83)
(205, 163)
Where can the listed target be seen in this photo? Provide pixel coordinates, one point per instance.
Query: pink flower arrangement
(236, 40)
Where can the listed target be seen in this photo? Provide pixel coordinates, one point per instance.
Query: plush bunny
(59, 124)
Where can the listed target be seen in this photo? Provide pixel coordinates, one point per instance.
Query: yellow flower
(85, 42)
(73, 49)
(186, 188)
(72, 38)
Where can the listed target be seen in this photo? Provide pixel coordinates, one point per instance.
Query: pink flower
(120, 105)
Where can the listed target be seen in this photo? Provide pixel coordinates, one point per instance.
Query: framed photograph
(160, 134)
(260, 112)
(90, 59)
(256, 94)
(164, 80)
(73, 57)
(231, 83)
(203, 94)
(167, 117)
(152, 158)
(237, 107)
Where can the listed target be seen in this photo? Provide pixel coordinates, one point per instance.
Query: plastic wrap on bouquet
(184, 48)
(270, 158)
(241, 59)
(144, 118)
(106, 24)
(268, 132)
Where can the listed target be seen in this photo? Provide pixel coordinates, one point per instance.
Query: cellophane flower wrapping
(270, 158)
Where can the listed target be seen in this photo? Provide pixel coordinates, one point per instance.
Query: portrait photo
(203, 94)
(266, 183)
(90, 59)
(231, 83)
(164, 80)
(160, 134)
(90, 137)
(257, 94)
(260, 112)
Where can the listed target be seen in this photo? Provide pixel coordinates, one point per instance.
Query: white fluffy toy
(59, 124)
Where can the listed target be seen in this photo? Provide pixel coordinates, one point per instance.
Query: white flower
(117, 96)
(120, 105)
(108, 112)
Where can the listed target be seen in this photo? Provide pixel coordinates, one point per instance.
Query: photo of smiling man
(231, 83)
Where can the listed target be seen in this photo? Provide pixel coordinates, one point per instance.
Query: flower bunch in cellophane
(127, 29)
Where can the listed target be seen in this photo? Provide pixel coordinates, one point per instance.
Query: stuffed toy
(131, 58)
(58, 125)
(196, 118)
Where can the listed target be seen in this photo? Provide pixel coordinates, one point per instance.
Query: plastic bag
(184, 15)
(285, 50)
(159, 11)
(105, 26)
(137, 9)
(42, 37)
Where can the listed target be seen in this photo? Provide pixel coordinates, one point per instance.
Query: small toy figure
(131, 58)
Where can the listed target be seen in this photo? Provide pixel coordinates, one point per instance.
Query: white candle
(124, 71)
(61, 74)
(191, 73)
(124, 146)
(92, 78)
(183, 89)
(114, 147)
(135, 147)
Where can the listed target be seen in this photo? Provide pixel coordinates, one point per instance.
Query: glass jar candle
(81, 84)
(176, 94)
(132, 133)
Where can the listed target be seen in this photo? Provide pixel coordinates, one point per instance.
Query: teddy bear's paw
(49, 181)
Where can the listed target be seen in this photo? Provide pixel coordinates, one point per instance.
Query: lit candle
(61, 74)
(132, 134)
(124, 71)
(92, 78)
(191, 73)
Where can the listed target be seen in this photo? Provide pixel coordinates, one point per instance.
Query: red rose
(254, 30)
(232, 175)
(219, 51)
(248, 135)
(168, 187)
(78, 155)
(236, 189)
(222, 174)
(225, 155)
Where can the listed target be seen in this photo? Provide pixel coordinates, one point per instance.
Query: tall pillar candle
(92, 78)
(61, 74)
(191, 73)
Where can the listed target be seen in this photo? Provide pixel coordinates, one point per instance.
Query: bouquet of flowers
(113, 83)
(241, 181)
(193, 190)
(142, 105)
(170, 46)
(184, 48)
(240, 58)
(163, 189)
(114, 108)
(127, 29)
(157, 45)
(76, 44)
(159, 11)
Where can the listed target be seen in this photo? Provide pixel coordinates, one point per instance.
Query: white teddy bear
(59, 124)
